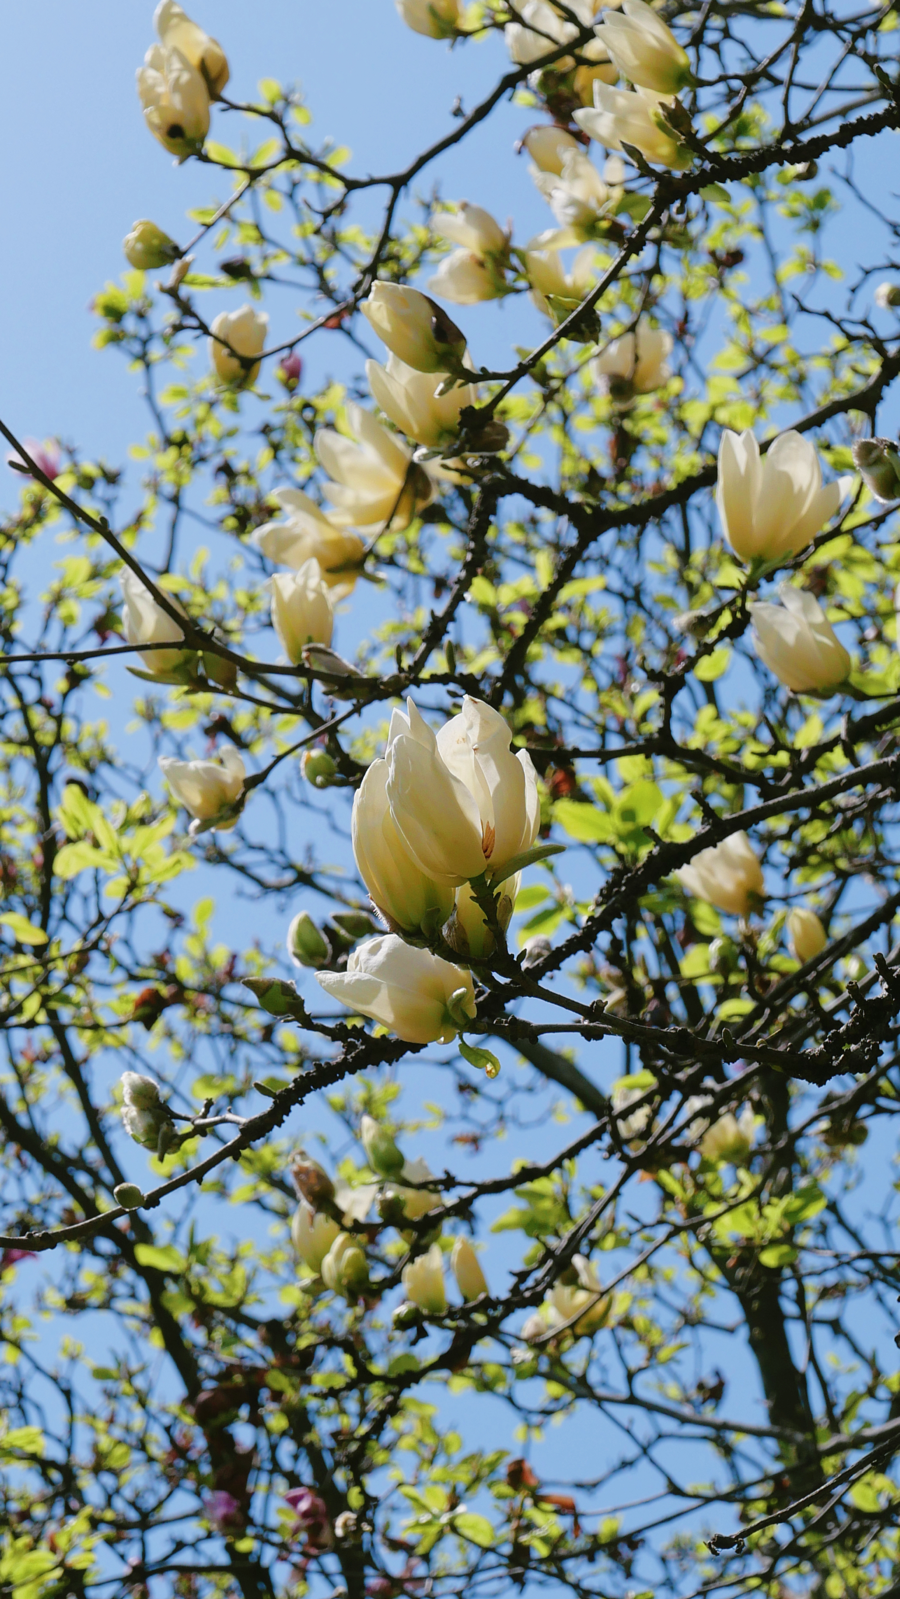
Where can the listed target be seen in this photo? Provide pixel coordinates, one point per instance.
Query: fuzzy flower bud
(143, 1112)
(382, 1153)
(878, 460)
(345, 1269)
(305, 943)
(147, 247)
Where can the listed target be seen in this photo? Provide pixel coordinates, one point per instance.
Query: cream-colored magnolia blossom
(372, 479)
(626, 116)
(302, 609)
(313, 1235)
(470, 1279)
(345, 1269)
(415, 1202)
(645, 49)
(408, 990)
(178, 32)
(544, 28)
(727, 1137)
(578, 197)
(409, 901)
(147, 247)
(307, 534)
(414, 328)
(462, 802)
(244, 332)
(475, 271)
(175, 100)
(423, 1282)
(206, 787)
(797, 643)
(806, 935)
(772, 505)
(635, 363)
(145, 622)
(410, 399)
(728, 876)
(437, 19)
(551, 282)
(565, 1302)
(548, 145)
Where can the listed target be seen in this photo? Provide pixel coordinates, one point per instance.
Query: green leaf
(583, 822)
(477, 1529)
(167, 1258)
(481, 1059)
(22, 929)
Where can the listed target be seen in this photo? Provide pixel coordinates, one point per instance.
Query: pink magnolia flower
(46, 456)
(224, 1512)
(290, 370)
(311, 1516)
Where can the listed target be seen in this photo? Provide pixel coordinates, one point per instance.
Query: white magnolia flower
(624, 116)
(373, 479)
(414, 328)
(797, 643)
(729, 876)
(410, 399)
(313, 1235)
(634, 364)
(476, 271)
(205, 787)
(728, 1137)
(178, 32)
(470, 1279)
(147, 247)
(566, 1301)
(548, 145)
(145, 622)
(408, 900)
(462, 802)
(423, 1282)
(887, 296)
(175, 100)
(416, 1202)
(244, 332)
(579, 197)
(772, 505)
(302, 609)
(408, 990)
(544, 28)
(550, 281)
(437, 19)
(644, 49)
(308, 534)
(806, 935)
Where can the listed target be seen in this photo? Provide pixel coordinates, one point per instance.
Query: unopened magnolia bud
(318, 768)
(723, 956)
(345, 1269)
(147, 247)
(311, 1181)
(144, 1115)
(470, 1278)
(887, 295)
(305, 943)
(290, 372)
(877, 461)
(381, 1151)
(406, 1315)
(128, 1195)
(489, 440)
(355, 924)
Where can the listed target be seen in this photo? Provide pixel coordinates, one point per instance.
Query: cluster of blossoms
(328, 1236)
(444, 822)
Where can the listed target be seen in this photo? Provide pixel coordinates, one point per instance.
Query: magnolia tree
(534, 730)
